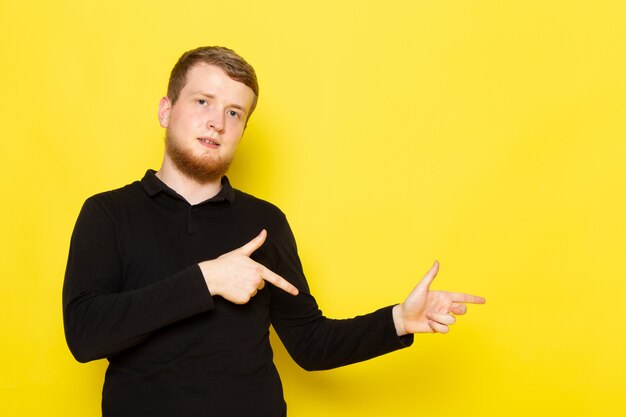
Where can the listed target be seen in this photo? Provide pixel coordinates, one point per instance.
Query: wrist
(205, 268)
(398, 321)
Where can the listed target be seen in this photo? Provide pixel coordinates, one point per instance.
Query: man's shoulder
(115, 200)
(121, 194)
(254, 204)
(251, 201)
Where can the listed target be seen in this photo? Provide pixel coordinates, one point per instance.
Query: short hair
(232, 64)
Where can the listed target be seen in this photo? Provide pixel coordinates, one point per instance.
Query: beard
(201, 168)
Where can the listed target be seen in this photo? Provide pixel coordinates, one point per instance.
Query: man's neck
(191, 190)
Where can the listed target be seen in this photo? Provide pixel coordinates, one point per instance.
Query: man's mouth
(209, 142)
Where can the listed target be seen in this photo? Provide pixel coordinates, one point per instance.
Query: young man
(176, 278)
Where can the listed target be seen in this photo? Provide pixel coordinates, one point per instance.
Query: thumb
(249, 248)
(424, 284)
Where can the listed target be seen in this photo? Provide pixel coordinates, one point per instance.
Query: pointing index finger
(467, 298)
(279, 281)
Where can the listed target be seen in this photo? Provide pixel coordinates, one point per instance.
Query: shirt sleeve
(99, 319)
(314, 341)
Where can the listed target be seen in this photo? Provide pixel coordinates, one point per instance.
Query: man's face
(205, 124)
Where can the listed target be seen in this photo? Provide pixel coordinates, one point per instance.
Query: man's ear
(165, 107)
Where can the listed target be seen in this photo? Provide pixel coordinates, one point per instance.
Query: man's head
(232, 64)
(211, 94)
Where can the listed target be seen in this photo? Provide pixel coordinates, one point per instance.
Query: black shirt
(134, 294)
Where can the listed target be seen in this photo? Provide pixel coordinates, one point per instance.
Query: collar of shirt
(153, 186)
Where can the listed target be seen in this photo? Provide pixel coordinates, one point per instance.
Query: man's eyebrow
(212, 96)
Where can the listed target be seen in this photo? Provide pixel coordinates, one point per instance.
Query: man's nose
(216, 121)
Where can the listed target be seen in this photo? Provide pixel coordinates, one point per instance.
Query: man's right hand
(237, 278)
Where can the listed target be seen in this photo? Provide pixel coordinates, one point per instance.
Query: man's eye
(202, 102)
(233, 113)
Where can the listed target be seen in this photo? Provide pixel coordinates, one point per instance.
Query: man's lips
(209, 142)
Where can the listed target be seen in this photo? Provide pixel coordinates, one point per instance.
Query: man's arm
(317, 342)
(313, 340)
(100, 318)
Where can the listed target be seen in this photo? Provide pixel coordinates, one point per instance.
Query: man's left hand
(426, 311)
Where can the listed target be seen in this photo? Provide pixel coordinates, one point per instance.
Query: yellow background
(487, 134)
